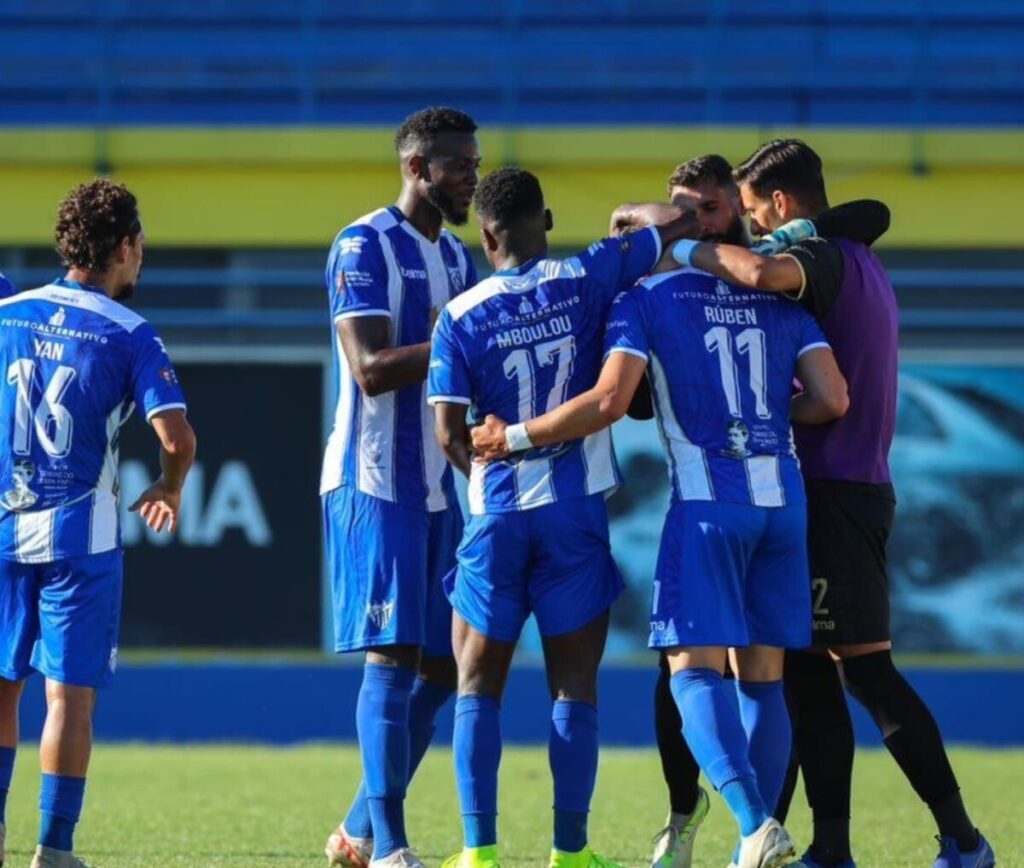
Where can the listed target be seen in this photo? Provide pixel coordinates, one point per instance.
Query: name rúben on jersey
(730, 315)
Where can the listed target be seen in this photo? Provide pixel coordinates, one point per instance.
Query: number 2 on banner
(749, 342)
(52, 422)
(519, 365)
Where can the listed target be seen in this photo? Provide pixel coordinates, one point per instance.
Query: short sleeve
(357, 274)
(821, 262)
(625, 332)
(154, 385)
(811, 335)
(448, 375)
(615, 264)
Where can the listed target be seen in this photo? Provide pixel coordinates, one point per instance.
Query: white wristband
(516, 438)
(683, 250)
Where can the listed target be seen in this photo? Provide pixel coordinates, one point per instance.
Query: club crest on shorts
(380, 613)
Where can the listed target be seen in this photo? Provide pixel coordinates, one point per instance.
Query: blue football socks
(743, 797)
(572, 753)
(60, 806)
(769, 734)
(6, 772)
(714, 732)
(476, 744)
(426, 700)
(382, 720)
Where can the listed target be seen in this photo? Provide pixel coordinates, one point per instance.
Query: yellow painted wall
(297, 186)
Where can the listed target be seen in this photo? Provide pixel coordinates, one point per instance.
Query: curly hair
(710, 167)
(93, 220)
(419, 131)
(507, 195)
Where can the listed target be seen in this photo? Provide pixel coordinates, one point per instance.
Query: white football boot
(673, 845)
(346, 851)
(768, 847)
(401, 858)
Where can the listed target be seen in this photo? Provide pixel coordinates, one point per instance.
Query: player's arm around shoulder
(735, 264)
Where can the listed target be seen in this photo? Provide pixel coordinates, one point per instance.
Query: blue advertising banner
(958, 544)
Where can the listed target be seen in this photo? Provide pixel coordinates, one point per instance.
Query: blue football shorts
(554, 561)
(61, 618)
(387, 563)
(732, 574)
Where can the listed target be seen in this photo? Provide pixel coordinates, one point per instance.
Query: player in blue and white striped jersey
(521, 342)
(391, 518)
(732, 570)
(76, 364)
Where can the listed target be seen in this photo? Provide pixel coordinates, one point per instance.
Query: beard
(450, 212)
(735, 233)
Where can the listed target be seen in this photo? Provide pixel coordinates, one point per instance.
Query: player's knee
(758, 663)
(441, 671)
(406, 656)
(573, 683)
(69, 703)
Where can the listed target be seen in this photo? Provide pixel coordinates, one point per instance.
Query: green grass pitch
(253, 806)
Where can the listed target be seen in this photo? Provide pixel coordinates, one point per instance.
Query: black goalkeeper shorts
(848, 526)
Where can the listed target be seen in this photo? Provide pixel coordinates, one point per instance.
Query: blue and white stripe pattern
(525, 341)
(76, 364)
(384, 445)
(721, 363)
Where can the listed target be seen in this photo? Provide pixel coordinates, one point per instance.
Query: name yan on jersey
(49, 349)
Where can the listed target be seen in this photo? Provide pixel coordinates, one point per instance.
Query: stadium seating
(587, 61)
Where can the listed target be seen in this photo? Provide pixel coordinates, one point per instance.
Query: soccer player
(519, 343)
(76, 363)
(705, 185)
(391, 518)
(732, 569)
(851, 510)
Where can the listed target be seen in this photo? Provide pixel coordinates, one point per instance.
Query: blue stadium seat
(524, 61)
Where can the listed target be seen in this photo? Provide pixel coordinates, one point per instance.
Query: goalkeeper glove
(785, 237)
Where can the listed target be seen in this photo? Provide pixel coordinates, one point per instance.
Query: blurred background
(253, 132)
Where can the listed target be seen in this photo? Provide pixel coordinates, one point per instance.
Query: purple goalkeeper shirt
(860, 318)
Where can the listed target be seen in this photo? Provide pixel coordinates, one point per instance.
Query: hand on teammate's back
(489, 439)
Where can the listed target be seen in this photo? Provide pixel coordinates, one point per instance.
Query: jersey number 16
(52, 422)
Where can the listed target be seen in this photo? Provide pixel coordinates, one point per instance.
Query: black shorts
(848, 525)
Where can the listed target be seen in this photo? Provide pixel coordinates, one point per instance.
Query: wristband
(516, 438)
(683, 250)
